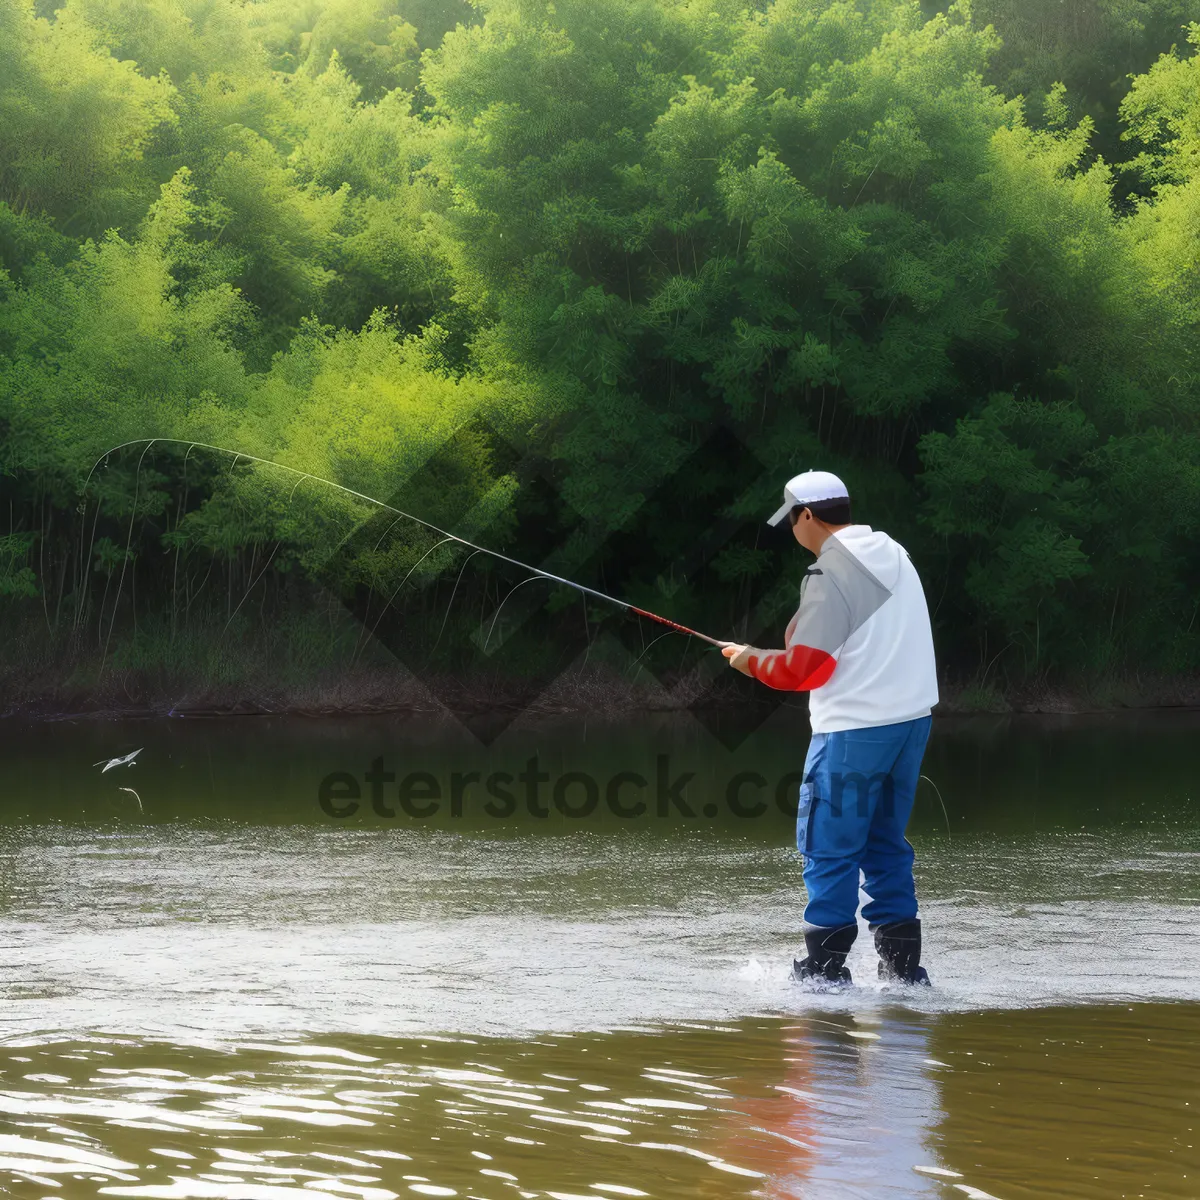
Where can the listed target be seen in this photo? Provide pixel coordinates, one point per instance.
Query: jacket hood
(875, 550)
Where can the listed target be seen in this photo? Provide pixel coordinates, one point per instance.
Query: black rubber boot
(825, 962)
(899, 947)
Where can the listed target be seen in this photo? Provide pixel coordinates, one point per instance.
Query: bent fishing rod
(624, 605)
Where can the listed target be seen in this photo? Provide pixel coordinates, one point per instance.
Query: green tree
(75, 124)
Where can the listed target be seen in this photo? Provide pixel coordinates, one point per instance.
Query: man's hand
(737, 657)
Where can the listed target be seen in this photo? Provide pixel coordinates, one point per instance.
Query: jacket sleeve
(796, 669)
(821, 626)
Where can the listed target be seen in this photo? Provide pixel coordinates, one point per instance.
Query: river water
(379, 958)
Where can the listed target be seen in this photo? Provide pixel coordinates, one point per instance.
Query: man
(861, 644)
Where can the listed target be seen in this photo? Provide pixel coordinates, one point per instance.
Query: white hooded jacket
(861, 641)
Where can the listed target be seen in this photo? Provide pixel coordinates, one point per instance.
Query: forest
(586, 281)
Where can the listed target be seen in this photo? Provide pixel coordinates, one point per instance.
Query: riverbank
(588, 690)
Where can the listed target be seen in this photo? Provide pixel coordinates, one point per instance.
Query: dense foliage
(589, 279)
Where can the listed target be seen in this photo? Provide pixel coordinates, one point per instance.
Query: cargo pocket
(804, 814)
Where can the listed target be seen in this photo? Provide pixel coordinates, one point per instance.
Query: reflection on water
(788, 1107)
(231, 995)
(1088, 1103)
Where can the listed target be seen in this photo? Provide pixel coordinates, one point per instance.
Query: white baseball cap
(812, 487)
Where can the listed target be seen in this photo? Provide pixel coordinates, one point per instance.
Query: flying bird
(125, 760)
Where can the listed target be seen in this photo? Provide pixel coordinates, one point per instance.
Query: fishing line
(942, 802)
(625, 606)
(502, 603)
(124, 558)
(648, 649)
(453, 593)
(253, 585)
(393, 596)
(135, 796)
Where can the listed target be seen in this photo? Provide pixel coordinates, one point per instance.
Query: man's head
(815, 504)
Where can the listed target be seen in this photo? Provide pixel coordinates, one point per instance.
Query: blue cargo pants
(855, 801)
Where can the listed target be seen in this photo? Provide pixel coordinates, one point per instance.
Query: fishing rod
(624, 605)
